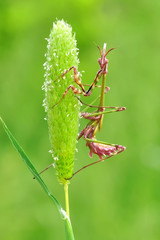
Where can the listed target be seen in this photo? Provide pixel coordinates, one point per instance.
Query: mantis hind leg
(93, 163)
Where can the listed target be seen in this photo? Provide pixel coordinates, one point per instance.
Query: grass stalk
(66, 198)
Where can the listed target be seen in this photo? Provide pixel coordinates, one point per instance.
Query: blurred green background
(120, 198)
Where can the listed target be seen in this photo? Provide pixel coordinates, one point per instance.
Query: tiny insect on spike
(103, 150)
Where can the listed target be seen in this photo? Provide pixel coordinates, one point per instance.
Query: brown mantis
(103, 149)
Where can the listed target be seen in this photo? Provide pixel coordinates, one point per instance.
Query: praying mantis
(104, 150)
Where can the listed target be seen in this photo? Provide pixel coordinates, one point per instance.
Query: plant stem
(66, 198)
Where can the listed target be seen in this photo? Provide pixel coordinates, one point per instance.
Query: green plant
(63, 116)
(61, 54)
(62, 119)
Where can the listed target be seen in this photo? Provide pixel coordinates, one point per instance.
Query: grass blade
(32, 168)
(69, 231)
(68, 226)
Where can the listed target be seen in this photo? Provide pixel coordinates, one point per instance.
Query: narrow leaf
(69, 231)
(68, 226)
(32, 169)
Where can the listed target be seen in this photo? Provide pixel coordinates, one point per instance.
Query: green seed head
(62, 118)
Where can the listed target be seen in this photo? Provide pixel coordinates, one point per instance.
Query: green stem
(66, 198)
